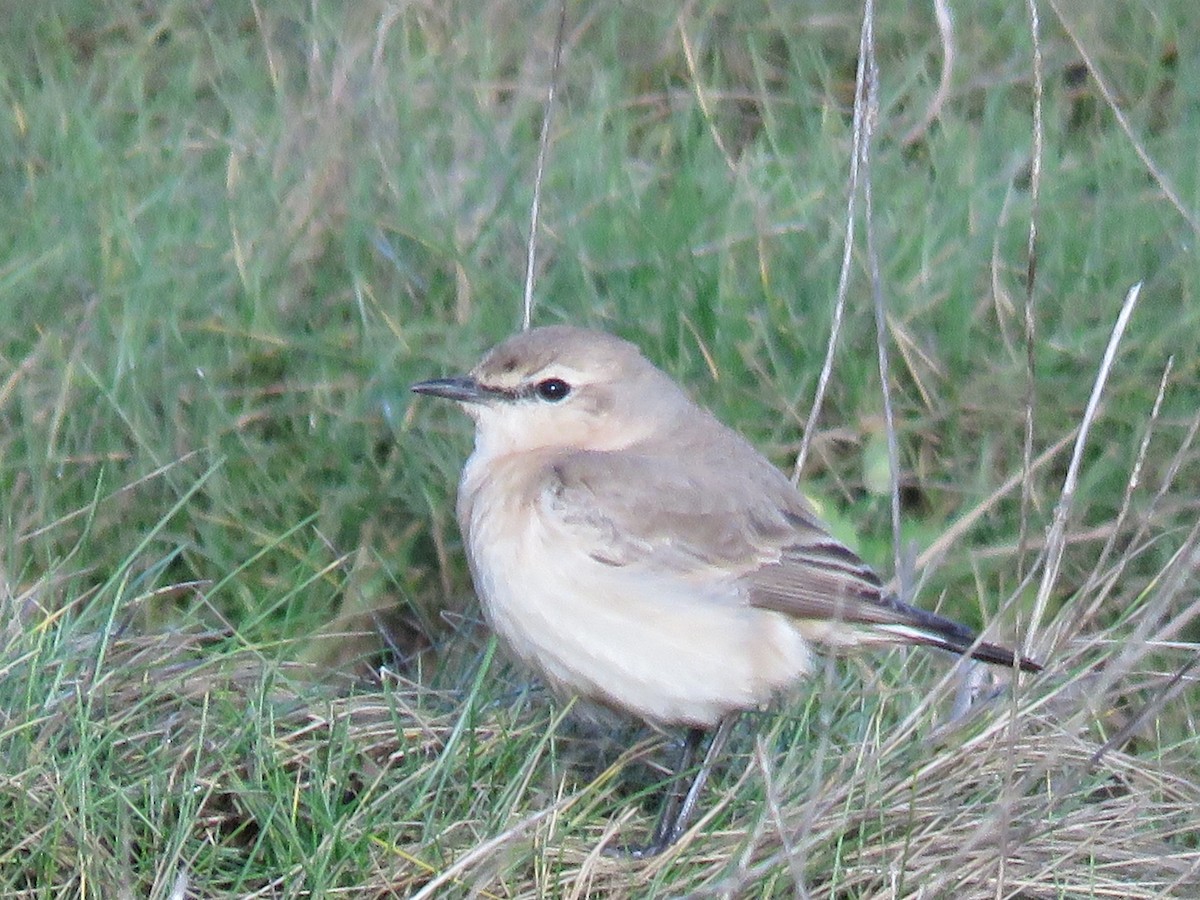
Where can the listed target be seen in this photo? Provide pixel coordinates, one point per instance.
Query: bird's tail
(931, 630)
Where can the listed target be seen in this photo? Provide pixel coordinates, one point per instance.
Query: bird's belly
(670, 650)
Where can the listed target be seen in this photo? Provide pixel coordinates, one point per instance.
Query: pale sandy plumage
(632, 549)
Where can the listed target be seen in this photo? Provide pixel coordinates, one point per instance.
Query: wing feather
(754, 527)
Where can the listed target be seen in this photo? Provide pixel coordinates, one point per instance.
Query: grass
(239, 654)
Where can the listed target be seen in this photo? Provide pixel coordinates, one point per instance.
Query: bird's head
(562, 387)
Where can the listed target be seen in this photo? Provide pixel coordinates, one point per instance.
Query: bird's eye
(552, 389)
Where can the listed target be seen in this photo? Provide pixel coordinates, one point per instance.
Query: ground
(240, 652)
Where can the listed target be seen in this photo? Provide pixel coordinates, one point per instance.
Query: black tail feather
(938, 631)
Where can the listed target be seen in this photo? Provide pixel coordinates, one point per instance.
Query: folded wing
(647, 512)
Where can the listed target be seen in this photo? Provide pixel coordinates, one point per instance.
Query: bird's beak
(462, 389)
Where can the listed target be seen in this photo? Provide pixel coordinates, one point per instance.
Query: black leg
(678, 805)
(672, 803)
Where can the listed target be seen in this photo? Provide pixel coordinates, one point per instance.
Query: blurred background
(237, 232)
(234, 232)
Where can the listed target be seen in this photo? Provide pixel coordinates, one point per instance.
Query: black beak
(462, 389)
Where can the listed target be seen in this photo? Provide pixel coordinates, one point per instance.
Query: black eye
(552, 389)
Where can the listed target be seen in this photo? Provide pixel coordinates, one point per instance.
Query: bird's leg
(715, 747)
(672, 802)
(678, 806)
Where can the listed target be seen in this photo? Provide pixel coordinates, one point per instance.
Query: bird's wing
(750, 526)
(646, 511)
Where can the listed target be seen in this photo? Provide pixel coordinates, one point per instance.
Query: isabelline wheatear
(634, 551)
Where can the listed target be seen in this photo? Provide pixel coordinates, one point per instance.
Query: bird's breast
(645, 640)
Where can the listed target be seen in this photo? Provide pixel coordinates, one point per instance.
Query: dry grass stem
(540, 169)
(1056, 540)
(860, 135)
(1031, 268)
(945, 27)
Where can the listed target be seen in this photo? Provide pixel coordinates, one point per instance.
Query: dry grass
(196, 496)
(1024, 798)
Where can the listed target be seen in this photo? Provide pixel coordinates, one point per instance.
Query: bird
(634, 551)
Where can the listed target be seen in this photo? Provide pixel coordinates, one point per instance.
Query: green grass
(238, 652)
